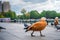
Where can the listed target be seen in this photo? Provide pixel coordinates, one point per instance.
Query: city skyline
(39, 5)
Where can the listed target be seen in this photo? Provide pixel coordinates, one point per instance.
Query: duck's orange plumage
(56, 21)
(38, 26)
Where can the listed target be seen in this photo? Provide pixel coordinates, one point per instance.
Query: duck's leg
(41, 34)
(32, 34)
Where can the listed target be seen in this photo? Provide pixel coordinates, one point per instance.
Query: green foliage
(43, 13)
(27, 15)
(1, 16)
(58, 15)
(30, 15)
(48, 14)
(23, 11)
(34, 14)
(18, 17)
(9, 14)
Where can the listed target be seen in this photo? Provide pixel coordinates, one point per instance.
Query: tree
(58, 15)
(23, 11)
(48, 14)
(10, 14)
(34, 14)
(43, 13)
(27, 15)
(1, 16)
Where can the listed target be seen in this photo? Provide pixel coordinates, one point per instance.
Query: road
(15, 31)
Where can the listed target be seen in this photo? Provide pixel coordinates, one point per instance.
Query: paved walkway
(15, 31)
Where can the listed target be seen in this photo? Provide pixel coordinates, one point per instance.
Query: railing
(28, 21)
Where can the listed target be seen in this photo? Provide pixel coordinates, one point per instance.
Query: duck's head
(56, 18)
(43, 19)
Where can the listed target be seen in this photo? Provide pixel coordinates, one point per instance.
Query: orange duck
(56, 21)
(38, 26)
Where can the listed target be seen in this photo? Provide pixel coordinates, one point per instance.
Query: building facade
(0, 6)
(4, 6)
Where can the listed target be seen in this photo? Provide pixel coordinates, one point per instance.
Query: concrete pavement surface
(15, 31)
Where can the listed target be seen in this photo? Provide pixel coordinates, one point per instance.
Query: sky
(39, 5)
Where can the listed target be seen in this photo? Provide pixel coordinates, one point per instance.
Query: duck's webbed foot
(32, 34)
(41, 34)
